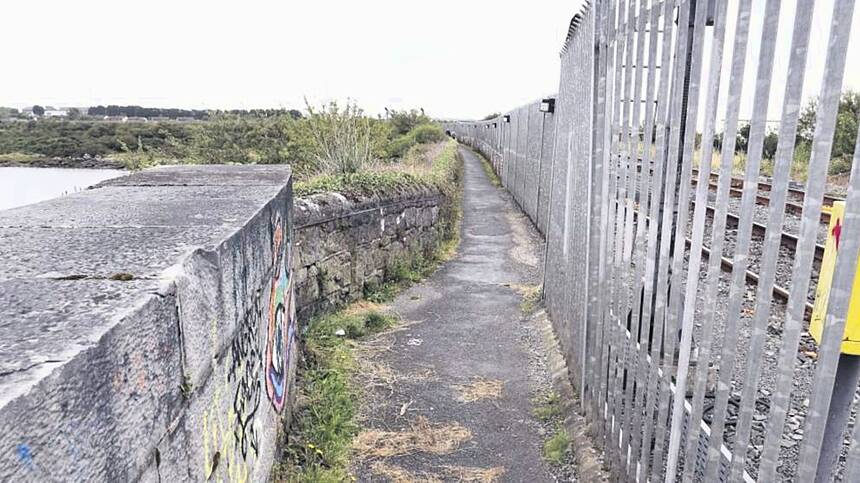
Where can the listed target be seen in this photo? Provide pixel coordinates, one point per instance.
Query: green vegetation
(75, 139)
(401, 274)
(400, 145)
(19, 158)
(404, 121)
(362, 184)
(841, 155)
(531, 298)
(331, 139)
(548, 407)
(324, 424)
(555, 448)
(443, 173)
(342, 140)
(844, 136)
(488, 170)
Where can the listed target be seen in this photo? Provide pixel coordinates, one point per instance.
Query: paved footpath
(452, 390)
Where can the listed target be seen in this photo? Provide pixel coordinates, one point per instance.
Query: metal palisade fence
(681, 283)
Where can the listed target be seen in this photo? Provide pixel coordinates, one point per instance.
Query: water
(23, 186)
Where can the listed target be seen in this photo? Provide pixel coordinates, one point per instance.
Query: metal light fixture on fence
(507, 118)
(547, 105)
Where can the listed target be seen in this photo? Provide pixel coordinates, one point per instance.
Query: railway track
(787, 240)
(793, 205)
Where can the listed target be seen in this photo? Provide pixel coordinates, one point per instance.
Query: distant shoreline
(70, 163)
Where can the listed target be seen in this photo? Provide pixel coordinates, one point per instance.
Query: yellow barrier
(851, 338)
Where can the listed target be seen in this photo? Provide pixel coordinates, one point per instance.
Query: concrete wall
(147, 328)
(343, 247)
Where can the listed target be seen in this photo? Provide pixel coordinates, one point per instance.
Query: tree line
(148, 112)
(257, 136)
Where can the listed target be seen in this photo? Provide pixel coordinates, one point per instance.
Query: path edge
(588, 458)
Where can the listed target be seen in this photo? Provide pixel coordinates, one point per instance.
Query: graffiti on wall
(244, 374)
(282, 316)
(260, 350)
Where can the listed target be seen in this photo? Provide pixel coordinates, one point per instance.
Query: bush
(427, 133)
(400, 146)
(840, 165)
(343, 139)
(404, 121)
(74, 139)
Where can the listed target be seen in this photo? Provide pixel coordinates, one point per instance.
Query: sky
(454, 58)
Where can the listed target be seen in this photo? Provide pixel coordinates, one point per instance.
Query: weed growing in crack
(555, 448)
(548, 407)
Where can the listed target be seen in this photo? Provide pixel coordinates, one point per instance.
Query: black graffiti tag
(245, 372)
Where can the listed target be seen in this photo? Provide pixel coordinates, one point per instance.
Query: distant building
(56, 113)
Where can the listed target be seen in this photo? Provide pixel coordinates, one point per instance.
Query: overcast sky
(438, 54)
(455, 58)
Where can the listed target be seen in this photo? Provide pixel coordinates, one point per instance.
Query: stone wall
(147, 328)
(345, 247)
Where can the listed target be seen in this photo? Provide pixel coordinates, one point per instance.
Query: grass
(488, 170)
(798, 170)
(401, 274)
(531, 298)
(324, 426)
(555, 448)
(443, 173)
(548, 407)
(20, 158)
(364, 183)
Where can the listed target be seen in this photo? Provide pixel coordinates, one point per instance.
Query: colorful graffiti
(231, 440)
(282, 316)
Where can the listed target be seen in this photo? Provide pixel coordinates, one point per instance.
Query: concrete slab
(205, 175)
(130, 206)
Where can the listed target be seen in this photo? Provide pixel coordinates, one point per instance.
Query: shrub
(343, 140)
(840, 165)
(404, 121)
(400, 146)
(427, 133)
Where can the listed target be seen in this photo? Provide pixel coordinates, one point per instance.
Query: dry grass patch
(363, 307)
(422, 375)
(479, 389)
(474, 475)
(531, 296)
(422, 437)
